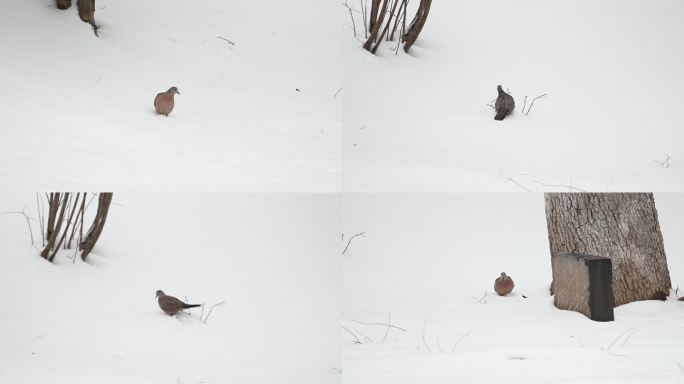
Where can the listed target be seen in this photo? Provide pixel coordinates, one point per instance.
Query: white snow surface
(612, 70)
(76, 111)
(427, 264)
(274, 259)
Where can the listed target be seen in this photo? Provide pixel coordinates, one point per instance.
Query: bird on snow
(503, 285)
(504, 105)
(163, 103)
(170, 305)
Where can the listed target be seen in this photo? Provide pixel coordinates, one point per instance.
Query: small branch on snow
(382, 324)
(337, 93)
(665, 163)
(459, 340)
(425, 342)
(532, 103)
(210, 309)
(569, 187)
(28, 221)
(481, 300)
(350, 240)
(632, 330)
(389, 325)
(226, 40)
(356, 339)
(507, 179)
(351, 15)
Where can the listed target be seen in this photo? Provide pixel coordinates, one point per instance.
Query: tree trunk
(621, 226)
(63, 4)
(86, 11)
(87, 245)
(376, 25)
(387, 26)
(417, 24)
(375, 8)
(54, 205)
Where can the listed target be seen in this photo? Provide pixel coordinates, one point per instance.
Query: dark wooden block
(584, 283)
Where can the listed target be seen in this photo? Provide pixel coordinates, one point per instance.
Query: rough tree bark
(64, 215)
(375, 8)
(379, 15)
(621, 226)
(417, 24)
(88, 243)
(55, 204)
(63, 4)
(375, 25)
(86, 11)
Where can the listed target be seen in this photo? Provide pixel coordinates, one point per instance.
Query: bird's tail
(499, 116)
(192, 306)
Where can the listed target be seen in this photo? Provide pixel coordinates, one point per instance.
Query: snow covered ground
(257, 113)
(427, 264)
(611, 69)
(274, 259)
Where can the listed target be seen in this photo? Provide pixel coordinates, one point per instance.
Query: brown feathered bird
(503, 285)
(170, 305)
(504, 105)
(164, 103)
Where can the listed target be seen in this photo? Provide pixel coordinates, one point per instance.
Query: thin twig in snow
(507, 178)
(350, 240)
(459, 340)
(481, 300)
(356, 341)
(362, 334)
(211, 309)
(389, 325)
(383, 324)
(532, 103)
(28, 221)
(425, 342)
(337, 93)
(665, 163)
(569, 187)
(226, 40)
(39, 203)
(351, 15)
(618, 338)
(439, 346)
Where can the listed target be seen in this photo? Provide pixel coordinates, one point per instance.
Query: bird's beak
(177, 92)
